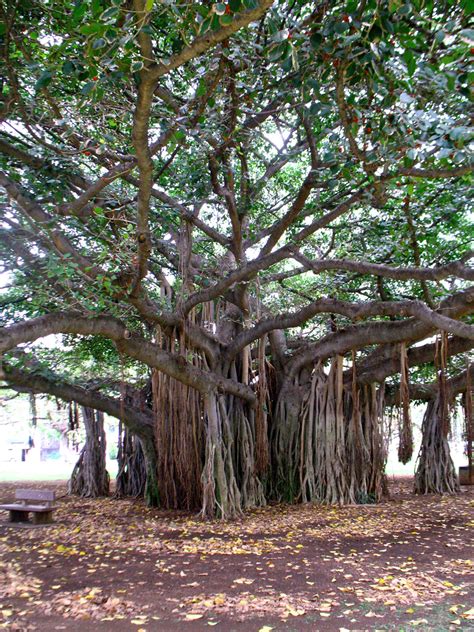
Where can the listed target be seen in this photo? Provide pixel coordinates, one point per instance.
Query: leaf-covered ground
(109, 564)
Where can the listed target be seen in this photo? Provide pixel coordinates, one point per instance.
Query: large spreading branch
(132, 345)
(357, 311)
(202, 44)
(137, 421)
(383, 333)
(455, 269)
(383, 365)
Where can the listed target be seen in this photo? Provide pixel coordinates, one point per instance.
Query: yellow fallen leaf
(469, 614)
(296, 612)
(265, 628)
(192, 617)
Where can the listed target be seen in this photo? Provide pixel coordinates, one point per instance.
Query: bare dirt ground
(116, 565)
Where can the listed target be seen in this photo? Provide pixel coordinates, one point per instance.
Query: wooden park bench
(42, 510)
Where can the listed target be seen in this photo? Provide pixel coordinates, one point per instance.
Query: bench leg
(16, 515)
(43, 517)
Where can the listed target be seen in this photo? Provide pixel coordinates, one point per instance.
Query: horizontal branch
(425, 392)
(379, 370)
(202, 44)
(376, 333)
(23, 381)
(355, 311)
(452, 269)
(454, 172)
(127, 343)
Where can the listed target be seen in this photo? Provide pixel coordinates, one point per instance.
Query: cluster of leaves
(74, 72)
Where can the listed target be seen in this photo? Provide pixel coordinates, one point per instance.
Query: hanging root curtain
(334, 445)
(178, 431)
(405, 446)
(230, 476)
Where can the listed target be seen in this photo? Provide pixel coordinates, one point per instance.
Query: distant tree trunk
(33, 411)
(90, 477)
(131, 475)
(435, 472)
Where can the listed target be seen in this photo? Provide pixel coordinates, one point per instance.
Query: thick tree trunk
(90, 477)
(327, 444)
(285, 441)
(435, 472)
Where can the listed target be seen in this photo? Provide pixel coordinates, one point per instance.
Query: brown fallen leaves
(365, 563)
(399, 590)
(15, 583)
(240, 606)
(89, 603)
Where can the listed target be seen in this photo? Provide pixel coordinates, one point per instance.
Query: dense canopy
(243, 218)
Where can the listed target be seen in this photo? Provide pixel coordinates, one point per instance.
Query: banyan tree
(244, 222)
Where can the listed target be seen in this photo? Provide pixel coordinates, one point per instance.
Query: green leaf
(149, 5)
(205, 26)
(316, 40)
(225, 20)
(68, 67)
(44, 79)
(88, 88)
(235, 5)
(280, 52)
(136, 66)
(98, 43)
(410, 61)
(342, 27)
(467, 35)
(110, 14)
(201, 90)
(90, 29)
(219, 8)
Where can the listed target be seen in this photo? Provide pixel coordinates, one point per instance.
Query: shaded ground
(112, 564)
